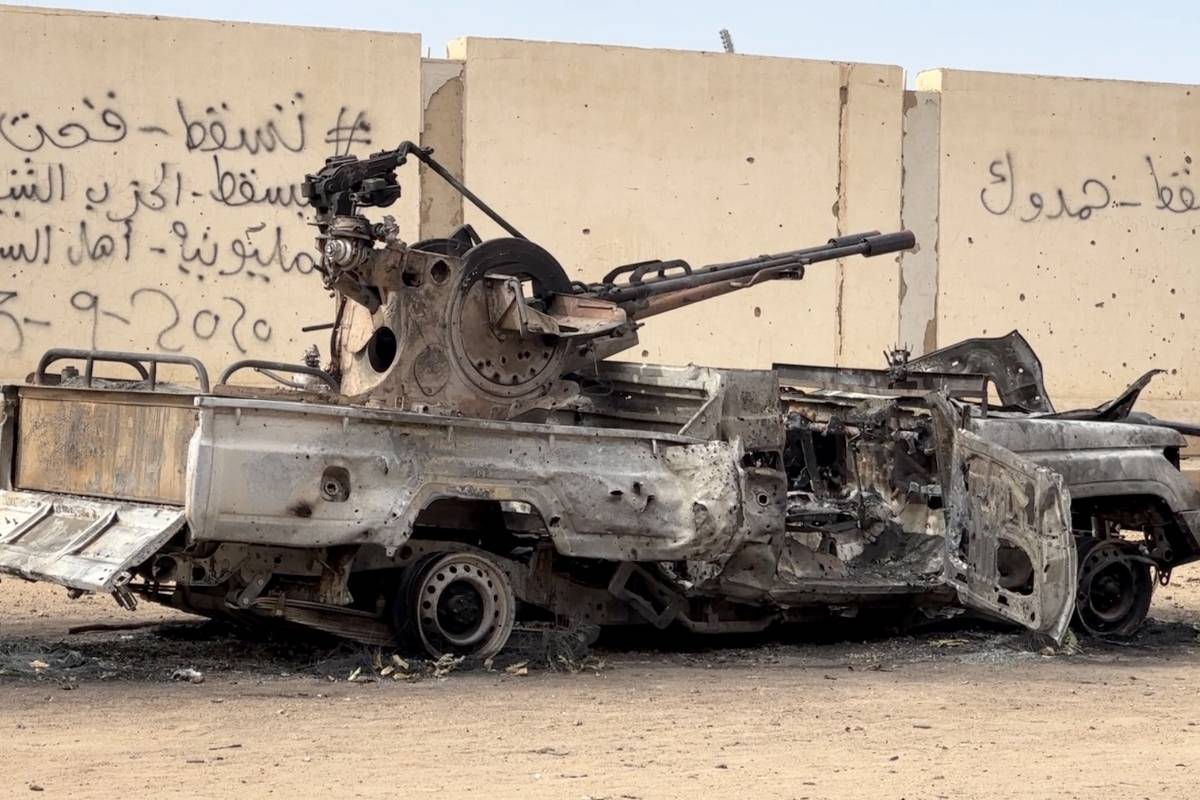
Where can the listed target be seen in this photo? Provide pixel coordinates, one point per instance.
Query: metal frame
(135, 360)
(298, 369)
(911, 384)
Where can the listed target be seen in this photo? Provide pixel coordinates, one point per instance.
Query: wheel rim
(461, 604)
(1112, 591)
(1115, 590)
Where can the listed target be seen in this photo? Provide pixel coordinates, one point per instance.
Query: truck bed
(110, 475)
(92, 481)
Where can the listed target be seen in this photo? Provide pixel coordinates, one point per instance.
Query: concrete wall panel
(1070, 209)
(148, 172)
(609, 155)
(919, 213)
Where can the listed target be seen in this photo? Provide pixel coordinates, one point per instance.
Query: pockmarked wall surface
(610, 155)
(149, 196)
(1070, 209)
(149, 175)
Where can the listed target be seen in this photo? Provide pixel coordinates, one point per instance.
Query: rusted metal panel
(610, 494)
(121, 445)
(84, 544)
(1031, 435)
(1009, 550)
(8, 427)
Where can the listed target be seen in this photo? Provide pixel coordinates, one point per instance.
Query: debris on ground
(949, 642)
(188, 674)
(216, 651)
(446, 664)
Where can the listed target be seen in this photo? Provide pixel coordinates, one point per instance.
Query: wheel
(455, 603)
(1115, 588)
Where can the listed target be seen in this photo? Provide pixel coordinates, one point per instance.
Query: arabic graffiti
(13, 324)
(243, 188)
(30, 134)
(1179, 199)
(166, 226)
(1090, 196)
(43, 183)
(214, 130)
(160, 313)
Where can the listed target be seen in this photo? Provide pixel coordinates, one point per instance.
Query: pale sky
(1152, 40)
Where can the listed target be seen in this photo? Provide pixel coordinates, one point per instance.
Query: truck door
(1009, 548)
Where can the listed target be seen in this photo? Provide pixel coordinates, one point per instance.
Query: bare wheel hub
(1115, 589)
(456, 603)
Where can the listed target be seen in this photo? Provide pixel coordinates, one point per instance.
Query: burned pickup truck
(471, 460)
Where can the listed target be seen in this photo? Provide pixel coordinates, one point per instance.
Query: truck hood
(1026, 435)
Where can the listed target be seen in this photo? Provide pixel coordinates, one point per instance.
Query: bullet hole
(1172, 291)
(970, 240)
(301, 509)
(645, 354)
(1092, 242)
(1182, 315)
(1174, 372)
(1114, 295)
(1022, 297)
(758, 312)
(749, 159)
(587, 231)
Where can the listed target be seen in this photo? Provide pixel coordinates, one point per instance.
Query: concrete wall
(609, 155)
(1069, 209)
(148, 197)
(148, 172)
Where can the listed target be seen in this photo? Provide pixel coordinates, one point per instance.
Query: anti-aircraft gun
(494, 328)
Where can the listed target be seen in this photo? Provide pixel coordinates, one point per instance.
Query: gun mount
(494, 328)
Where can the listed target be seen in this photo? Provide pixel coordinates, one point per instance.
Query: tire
(454, 603)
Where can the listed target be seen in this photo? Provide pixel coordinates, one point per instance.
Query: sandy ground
(971, 713)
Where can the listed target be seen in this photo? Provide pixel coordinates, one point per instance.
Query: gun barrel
(646, 297)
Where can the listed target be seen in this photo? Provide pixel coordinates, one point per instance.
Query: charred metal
(468, 461)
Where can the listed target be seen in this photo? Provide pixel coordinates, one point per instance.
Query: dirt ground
(964, 713)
